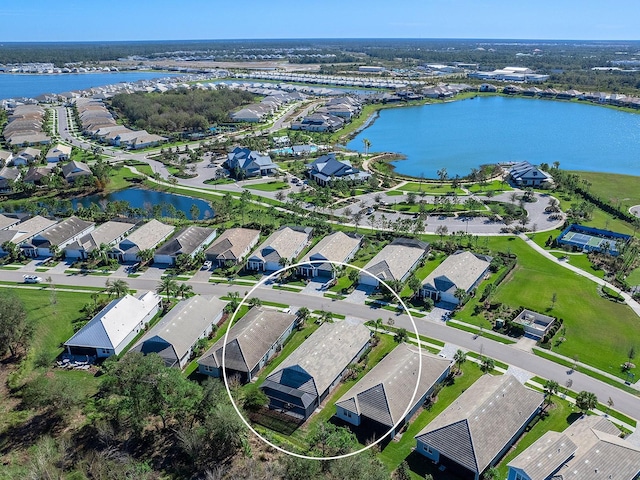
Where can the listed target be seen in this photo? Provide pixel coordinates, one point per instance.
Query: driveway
(360, 294)
(153, 273)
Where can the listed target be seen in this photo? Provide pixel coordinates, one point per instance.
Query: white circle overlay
(226, 381)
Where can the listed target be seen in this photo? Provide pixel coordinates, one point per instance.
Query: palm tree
(442, 174)
(367, 145)
(586, 401)
(401, 336)
(117, 288)
(167, 285)
(487, 364)
(184, 290)
(302, 315)
(11, 249)
(550, 389)
(459, 358)
(145, 256)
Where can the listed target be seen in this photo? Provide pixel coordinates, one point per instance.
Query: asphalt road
(623, 402)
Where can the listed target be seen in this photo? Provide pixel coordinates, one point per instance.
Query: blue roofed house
(250, 163)
(115, 326)
(524, 174)
(328, 168)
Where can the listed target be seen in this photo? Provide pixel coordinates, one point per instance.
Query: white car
(207, 265)
(32, 279)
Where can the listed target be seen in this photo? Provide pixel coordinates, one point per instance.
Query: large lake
(14, 85)
(145, 199)
(462, 135)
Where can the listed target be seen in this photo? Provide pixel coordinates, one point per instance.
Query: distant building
(524, 174)
(327, 169)
(370, 69)
(250, 163)
(73, 170)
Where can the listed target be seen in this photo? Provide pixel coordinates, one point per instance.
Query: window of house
(520, 476)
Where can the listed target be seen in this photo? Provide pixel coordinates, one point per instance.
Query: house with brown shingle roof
(589, 449)
(478, 428)
(251, 342)
(395, 261)
(285, 243)
(392, 391)
(232, 246)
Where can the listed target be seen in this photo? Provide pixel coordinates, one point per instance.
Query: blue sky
(81, 20)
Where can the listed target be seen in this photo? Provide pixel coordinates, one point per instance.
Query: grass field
(269, 186)
(430, 188)
(590, 320)
(613, 188)
(495, 186)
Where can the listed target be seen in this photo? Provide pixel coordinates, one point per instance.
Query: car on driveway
(207, 265)
(32, 279)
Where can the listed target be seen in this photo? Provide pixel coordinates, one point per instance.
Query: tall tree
(168, 286)
(16, 330)
(459, 358)
(117, 288)
(586, 401)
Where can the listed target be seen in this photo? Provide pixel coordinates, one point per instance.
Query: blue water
(141, 198)
(26, 85)
(465, 134)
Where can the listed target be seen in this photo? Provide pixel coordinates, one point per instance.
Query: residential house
(59, 153)
(336, 247)
(109, 233)
(487, 87)
(252, 341)
(26, 156)
(25, 231)
(146, 237)
(304, 379)
(57, 237)
(232, 246)
(74, 169)
(460, 271)
(5, 157)
(589, 449)
(187, 241)
(175, 336)
(394, 262)
(8, 222)
(392, 392)
(524, 174)
(8, 175)
(327, 168)
(283, 245)
(115, 326)
(319, 122)
(478, 428)
(37, 175)
(248, 163)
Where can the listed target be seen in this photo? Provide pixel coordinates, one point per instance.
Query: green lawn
(613, 187)
(495, 186)
(269, 186)
(634, 278)
(590, 320)
(431, 188)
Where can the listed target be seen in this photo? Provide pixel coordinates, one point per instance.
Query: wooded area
(178, 110)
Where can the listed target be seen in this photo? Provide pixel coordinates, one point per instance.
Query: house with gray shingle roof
(109, 233)
(115, 326)
(8, 175)
(336, 247)
(250, 163)
(8, 222)
(59, 235)
(74, 169)
(382, 399)
(589, 449)
(395, 261)
(187, 241)
(478, 428)
(327, 169)
(176, 334)
(25, 231)
(59, 153)
(523, 174)
(462, 270)
(232, 246)
(285, 243)
(252, 341)
(146, 237)
(304, 379)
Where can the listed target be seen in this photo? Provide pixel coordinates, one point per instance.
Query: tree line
(179, 110)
